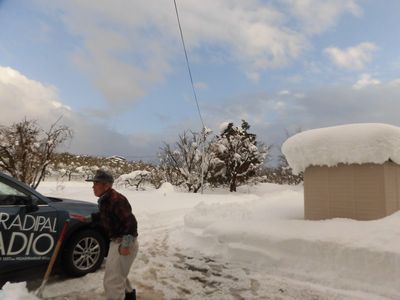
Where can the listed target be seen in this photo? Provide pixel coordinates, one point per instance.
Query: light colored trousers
(116, 281)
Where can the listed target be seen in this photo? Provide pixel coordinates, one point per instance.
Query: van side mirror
(29, 205)
(32, 207)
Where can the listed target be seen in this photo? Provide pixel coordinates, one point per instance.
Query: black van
(30, 225)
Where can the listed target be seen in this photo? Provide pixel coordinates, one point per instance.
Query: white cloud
(128, 46)
(316, 16)
(294, 78)
(354, 58)
(395, 82)
(364, 81)
(201, 85)
(253, 75)
(22, 97)
(280, 105)
(269, 117)
(299, 95)
(325, 106)
(284, 93)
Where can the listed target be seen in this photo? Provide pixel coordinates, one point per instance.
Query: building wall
(362, 192)
(393, 188)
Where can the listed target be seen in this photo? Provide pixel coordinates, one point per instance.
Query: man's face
(99, 188)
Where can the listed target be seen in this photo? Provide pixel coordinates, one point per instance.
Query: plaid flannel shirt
(115, 216)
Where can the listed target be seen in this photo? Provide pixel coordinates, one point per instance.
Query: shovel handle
(53, 258)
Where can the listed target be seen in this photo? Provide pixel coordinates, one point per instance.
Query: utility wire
(188, 65)
(195, 97)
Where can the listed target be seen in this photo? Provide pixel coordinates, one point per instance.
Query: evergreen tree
(236, 156)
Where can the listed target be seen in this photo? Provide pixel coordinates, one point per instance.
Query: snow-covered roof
(352, 143)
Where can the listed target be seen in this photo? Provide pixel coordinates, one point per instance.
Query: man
(115, 216)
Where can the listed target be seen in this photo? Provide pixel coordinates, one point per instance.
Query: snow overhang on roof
(351, 143)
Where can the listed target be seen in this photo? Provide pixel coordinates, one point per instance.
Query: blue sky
(116, 71)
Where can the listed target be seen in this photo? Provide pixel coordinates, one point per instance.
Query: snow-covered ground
(253, 244)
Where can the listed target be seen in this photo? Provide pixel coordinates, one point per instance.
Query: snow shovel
(39, 292)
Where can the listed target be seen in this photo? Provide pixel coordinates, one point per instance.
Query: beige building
(350, 171)
(357, 191)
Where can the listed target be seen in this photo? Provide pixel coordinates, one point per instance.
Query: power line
(195, 97)
(188, 65)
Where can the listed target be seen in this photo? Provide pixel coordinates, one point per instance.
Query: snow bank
(269, 233)
(16, 291)
(166, 188)
(352, 143)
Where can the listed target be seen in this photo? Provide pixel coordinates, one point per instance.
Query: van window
(11, 196)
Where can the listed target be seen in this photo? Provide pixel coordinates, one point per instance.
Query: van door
(28, 228)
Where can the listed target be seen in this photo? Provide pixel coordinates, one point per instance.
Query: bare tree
(26, 149)
(283, 173)
(157, 177)
(183, 165)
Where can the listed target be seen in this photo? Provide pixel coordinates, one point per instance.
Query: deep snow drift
(252, 244)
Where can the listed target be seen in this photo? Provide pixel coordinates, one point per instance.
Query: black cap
(102, 176)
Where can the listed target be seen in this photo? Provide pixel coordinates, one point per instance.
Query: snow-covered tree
(281, 174)
(26, 149)
(235, 155)
(284, 172)
(157, 177)
(135, 178)
(183, 164)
